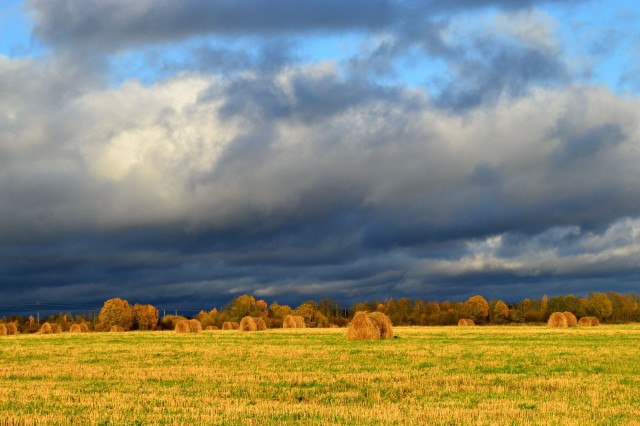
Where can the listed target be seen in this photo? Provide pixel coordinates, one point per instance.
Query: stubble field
(429, 375)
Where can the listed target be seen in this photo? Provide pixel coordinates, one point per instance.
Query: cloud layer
(312, 179)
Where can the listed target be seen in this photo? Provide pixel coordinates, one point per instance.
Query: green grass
(429, 375)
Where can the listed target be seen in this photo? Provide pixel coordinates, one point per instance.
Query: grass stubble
(428, 375)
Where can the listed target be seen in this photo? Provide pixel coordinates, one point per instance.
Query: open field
(429, 375)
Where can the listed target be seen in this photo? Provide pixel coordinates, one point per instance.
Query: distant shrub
(75, 328)
(248, 324)
(557, 320)
(384, 324)
(46, 329)
(289, 322)
(572, 321)
(299, 321)
(260, 324)
(465, 322)
(362, 327)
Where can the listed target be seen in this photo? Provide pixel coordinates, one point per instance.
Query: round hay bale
(84, 328)
(594, 321)
(227, 325)
(384, 324)
(289, 322)
(3, 330)
(333, 326)
(75, 328)
(56, 328)
(584, 322)
(299, 321)
(557, 320)
(183, 327)
(362, 327)
(12, 328)
(235, 325)
(260, 324)
(46, 329)
(248, 324)
(572, 321)
(464, 322)
(211, 328)
(116, 329)
(194, 325)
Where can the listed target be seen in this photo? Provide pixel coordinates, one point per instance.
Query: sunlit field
(428, 375)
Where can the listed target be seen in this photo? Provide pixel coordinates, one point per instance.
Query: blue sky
(181, 152)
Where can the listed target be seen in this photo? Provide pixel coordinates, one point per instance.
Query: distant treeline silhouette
(610, 307)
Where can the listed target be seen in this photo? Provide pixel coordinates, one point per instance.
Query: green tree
(600, 305)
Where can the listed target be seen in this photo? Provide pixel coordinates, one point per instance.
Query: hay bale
(75, 328)
(211, 328)
(235, 325)
(289, 322)
(384, 324)
(588, 322)
(362, 327)
(333, 326)
(116, 329)
(465, 322)
(299, 321)
(3, 330)
(595, 322)
(56, 328)
(12, 328)
(248, 324)
(194, 325)
(46, 329)
(227, 325)
(84, 328)
(260, 324)
(572, 321)
(557, 320)
(183, 327)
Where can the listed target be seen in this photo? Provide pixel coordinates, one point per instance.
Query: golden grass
(429, 375)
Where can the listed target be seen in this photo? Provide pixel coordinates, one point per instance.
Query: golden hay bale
(227, 325)
(464, 322)
(194, 325)
(116, 329)
(588, 322)
(84, 328)
(75, 328)
(572, 321)
(56, 328)
(3, 330)
(211, 328)
(183, 327)
(289, 322)
(594, 321)
(248, 324)
(235, 325)
(557, 320)
(299, 321)
(12, 328)
(384, 324)
(362, 327)
(260, 324)
(333, 326)
(46, 329)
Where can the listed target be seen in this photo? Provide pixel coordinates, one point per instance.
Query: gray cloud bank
(309, 181)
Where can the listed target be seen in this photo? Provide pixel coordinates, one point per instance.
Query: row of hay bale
(369, 326)
(53, 328)
(188, 326)
(293, 321)
(567, 319)
(8, 329)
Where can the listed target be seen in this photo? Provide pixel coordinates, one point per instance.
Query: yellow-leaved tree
(145, 317)
(116, 312)
(476, 308)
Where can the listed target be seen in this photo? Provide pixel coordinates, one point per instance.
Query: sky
(184, 152)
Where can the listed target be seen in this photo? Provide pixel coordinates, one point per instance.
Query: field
(429, 375)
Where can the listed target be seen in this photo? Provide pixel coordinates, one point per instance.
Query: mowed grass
(429, 375)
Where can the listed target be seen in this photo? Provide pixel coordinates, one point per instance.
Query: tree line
(610, 307)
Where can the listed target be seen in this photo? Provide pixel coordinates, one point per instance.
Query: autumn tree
(245, 305)
(311, 314)
(277, 313)
(600, 305)
(476, 308)
(208, 319)
(116, 312)
(145, 317)
(500, 311)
